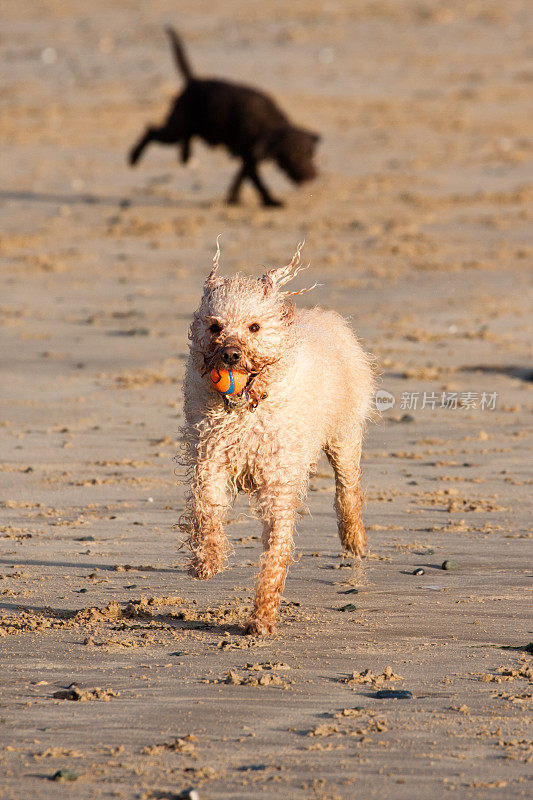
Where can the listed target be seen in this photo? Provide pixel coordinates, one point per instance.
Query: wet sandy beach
(419, 231)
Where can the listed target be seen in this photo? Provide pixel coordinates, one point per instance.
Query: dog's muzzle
(231, 355)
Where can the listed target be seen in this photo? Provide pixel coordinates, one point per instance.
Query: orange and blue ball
(228, 381)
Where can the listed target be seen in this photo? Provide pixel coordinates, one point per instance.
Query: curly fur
(310, 389)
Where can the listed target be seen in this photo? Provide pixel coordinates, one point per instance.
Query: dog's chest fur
(247, 443)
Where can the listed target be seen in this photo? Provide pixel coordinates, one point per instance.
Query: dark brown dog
(245, 120)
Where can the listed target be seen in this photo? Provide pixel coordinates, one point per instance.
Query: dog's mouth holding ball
(234, 376)
(234, 385)
(229, 373)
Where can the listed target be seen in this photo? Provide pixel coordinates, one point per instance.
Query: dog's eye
(215, 328)
(254, 327)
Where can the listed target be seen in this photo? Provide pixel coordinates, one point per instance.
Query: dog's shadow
(102, 567)
(177, 623)
(90, 199)
(130, 615)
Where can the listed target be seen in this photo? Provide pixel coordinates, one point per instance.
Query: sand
(419, 230)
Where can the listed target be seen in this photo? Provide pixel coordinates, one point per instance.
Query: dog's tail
(179, 54)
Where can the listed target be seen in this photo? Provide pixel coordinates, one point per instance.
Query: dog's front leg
(249, 170)
(235, 188)
(265, 195)
(185, 150)
(209, 501)
(278, 523)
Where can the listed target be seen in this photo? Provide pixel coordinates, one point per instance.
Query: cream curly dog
(309, 388)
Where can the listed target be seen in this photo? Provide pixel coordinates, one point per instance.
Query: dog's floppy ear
(212, 280)
(274, 279)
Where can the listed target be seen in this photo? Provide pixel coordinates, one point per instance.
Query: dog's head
(242, 322)
(293, 150)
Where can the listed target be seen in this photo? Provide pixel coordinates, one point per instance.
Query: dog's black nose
(231, 356)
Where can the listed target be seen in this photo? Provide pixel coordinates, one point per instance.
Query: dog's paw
(260, 627)
(271, 202)
(203, 570)
(133, 156)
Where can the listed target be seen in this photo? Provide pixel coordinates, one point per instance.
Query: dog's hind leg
(163, 135)
(208, 502)
(344, 455)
